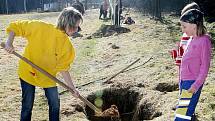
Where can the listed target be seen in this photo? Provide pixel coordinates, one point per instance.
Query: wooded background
(152, 7)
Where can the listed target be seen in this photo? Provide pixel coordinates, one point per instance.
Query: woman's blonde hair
(68, 18)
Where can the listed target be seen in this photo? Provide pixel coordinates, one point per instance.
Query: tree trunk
(25, 10)
(85, 4)
(157, 10)
(6, 4)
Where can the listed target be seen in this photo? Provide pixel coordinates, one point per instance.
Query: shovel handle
(93, 107)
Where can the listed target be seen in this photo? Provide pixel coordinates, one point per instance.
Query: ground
(99, 57)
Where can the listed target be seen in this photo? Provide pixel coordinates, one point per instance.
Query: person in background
(80, 7)
(128, 20)
(195, 64)
(101, 12)
(50, 48)
(104, 9)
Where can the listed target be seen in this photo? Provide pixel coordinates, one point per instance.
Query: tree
(6, 4)
(157, 10)
(85, 4)
(207, 6)
(24, 1)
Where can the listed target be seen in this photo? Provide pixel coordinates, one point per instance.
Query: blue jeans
(28, 94)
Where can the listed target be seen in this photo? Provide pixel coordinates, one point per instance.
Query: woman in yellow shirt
(50, 48)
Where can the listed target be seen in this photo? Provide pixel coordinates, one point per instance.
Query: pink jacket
(105, 5)
(196, 61)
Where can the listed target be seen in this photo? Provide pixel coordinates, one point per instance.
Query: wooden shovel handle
(93, 107)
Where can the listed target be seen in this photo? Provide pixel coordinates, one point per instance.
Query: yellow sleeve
(65, 57)
(20, 28)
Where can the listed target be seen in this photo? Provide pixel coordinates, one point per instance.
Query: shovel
(88, 103)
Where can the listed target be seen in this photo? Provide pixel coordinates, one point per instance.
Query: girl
(50, 48)
(195, 64)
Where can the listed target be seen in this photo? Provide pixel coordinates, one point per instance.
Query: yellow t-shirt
(47, 47)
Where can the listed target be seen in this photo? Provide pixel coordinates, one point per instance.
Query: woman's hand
(69, 80)
(9, 47)
(9, 44)
(76, 93)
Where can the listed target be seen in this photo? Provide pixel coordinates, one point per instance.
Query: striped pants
(187, 101)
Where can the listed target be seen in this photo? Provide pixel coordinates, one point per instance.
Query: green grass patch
(88, 50)
(85, 52)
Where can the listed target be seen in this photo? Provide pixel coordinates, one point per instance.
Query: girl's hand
(191, 90)
(177, 45)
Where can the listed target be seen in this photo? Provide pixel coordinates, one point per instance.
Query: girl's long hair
(201, 29)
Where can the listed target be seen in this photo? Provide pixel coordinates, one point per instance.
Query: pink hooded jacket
(196, 61)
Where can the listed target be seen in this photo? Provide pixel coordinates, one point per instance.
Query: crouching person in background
(50, 48)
